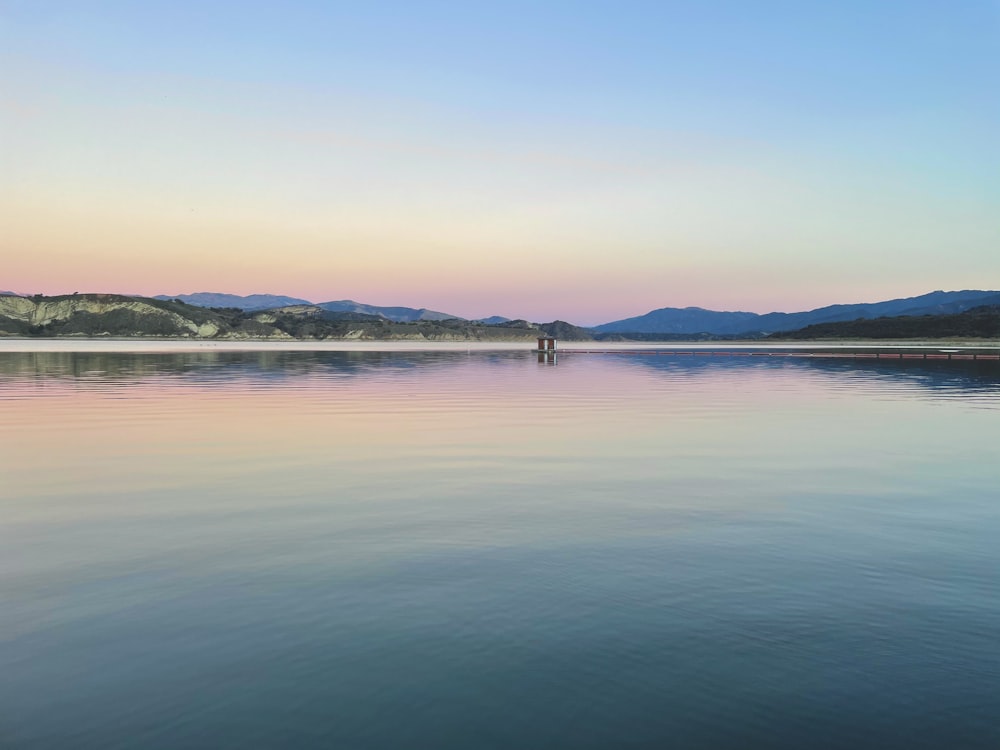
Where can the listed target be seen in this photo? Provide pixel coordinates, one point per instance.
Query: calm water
(472, 550)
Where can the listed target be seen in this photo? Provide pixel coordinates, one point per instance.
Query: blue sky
(578, 160)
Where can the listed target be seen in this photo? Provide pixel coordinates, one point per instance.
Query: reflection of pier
(547, 351)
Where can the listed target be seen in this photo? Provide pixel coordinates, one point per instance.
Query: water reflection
(470, 550)
(953, 378)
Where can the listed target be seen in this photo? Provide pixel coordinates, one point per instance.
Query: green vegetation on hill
(655, 337)
(979, 322)
(95, 315)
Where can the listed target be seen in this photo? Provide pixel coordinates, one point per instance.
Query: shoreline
(178, 345)
(171, 345)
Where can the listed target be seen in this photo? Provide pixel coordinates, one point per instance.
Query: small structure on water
(546, 350)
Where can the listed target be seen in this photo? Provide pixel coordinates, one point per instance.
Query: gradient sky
(579, 160)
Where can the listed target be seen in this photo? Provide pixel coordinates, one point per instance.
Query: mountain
(691, 320)
(560, 329)
(266, 315)
(977, 322)
(683, 320)
(557, 329)
(9, 294)
(102, 315)
(250, 302)
(273, 301)
(398, 314)
(105, 315)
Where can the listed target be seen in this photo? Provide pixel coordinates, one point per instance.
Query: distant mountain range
(271, 301)
(102, 315)
(978, 322)
(250, 302)
(666, 322)
(397, 314)
(695, 320)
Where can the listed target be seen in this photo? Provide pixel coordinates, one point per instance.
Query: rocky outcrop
(121, 316)
(45, 311)
(298, 310)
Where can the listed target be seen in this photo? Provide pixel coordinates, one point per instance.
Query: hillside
(979, 322)
(398, 314)
(107, 315)
(101, 315)
(254, 302)
(695, 320)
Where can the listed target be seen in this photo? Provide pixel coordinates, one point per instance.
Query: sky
(586, 161)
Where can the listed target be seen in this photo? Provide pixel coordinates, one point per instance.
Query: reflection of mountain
(222, 368)
(218, 367)
(954, 377)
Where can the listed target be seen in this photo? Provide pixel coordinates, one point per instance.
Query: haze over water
(472, 550)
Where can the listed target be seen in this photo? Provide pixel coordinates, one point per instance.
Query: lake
(465, 548)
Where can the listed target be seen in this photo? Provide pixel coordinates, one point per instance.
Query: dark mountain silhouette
(693, 320)
(977, 322)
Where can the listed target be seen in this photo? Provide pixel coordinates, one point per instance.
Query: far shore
(165, 345)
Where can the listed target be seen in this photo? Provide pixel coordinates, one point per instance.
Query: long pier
(547, 348)
(934, 354)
